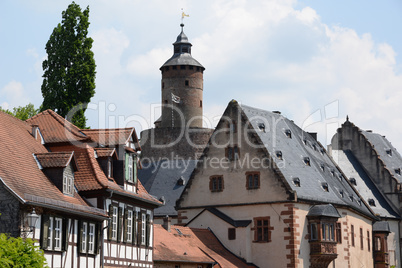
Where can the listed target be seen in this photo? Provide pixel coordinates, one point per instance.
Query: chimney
(166, 223)
(35, 131)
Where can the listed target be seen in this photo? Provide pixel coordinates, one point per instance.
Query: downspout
(103, 231)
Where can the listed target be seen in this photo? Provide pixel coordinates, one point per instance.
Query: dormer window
(398, 171)
(389, 152)
(307, 161)
(353, 181)
(324, 186)
(322, 167)
(296, 182)
(315, 147)
(288, 133)
(305, 141)
(181, 181)
(371, 202)
(279, 155)
(261, 126)
(68, 184)
(341, 193)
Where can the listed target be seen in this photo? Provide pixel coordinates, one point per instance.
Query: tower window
(184, 49)
(198, 68)
(176, 50)
(190, 67)
(167, 68)
(200, 103)
(163, 85)
(174, 67)
(166, 101)
(182, 67)
(186, 83)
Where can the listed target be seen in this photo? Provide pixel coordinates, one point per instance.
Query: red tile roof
(52, 160)
(192, 245)
(18, 168)
(112, 136)
(89, 176)
(64, 131)
(106, 152)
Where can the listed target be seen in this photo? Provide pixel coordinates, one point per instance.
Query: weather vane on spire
(183, 15)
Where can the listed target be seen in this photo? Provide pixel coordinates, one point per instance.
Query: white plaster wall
(393, 244)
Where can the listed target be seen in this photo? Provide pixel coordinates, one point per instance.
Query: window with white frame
(51, 234)
(58, 227)
(130, 168)
(91, 238)
(84, 237)
(129, 237)
(114, 222)
(143, 228)
(68, 184)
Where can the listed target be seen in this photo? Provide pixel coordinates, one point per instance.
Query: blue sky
(316, 61)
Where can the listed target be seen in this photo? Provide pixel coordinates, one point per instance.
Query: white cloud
(14, 95)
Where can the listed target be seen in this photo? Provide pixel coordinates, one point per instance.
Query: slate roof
(55, 160)
(326, 210)
(19, 171)
(224, 217)
(182, 58)
(364, 185)
(297, 147)
(381, 226)
(62, 132)
(192, 245)
(161, 179)
(388, 153)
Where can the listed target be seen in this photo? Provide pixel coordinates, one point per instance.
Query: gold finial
(183, 15)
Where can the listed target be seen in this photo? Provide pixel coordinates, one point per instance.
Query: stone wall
(9, 209)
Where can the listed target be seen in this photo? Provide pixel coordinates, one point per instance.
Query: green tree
(25, 112)
(69, 70)
(22, 112)
(17, 252)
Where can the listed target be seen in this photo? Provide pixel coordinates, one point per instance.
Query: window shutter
(109, 231)
(65, 232)
(135, 169)
(148, 231)
(135, 230)
(125, 227)
(126, 167)
(98, 228)
(119, 224)
(139, 229)
(45, 231)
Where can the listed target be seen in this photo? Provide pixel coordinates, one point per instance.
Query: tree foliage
(17, 252)
(22, 112)
(69, 70)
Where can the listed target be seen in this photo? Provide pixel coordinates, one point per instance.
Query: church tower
(182, 87)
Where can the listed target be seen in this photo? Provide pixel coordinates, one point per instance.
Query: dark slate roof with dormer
(363, 184)
(302, 159)
(388, 154)
(161, 179)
